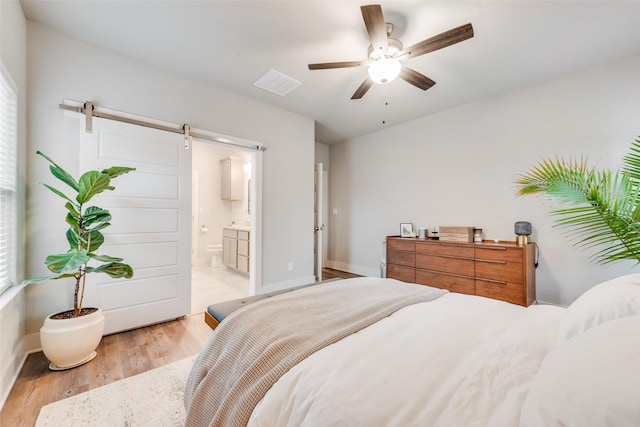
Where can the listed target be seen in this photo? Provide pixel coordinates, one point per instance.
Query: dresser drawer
(460, 266)
(398, 272)
(444, 249)
(401, 245)
(402, 258)
(505, 271)
(504, 291)
(451, 282)
(500, 253)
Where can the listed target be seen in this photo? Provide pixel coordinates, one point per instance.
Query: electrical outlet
(290, 266)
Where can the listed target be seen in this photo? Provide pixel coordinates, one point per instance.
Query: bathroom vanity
(235, 248)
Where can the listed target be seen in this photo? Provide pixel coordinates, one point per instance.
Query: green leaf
(34, 280)
(56, 191)
(73, 222)
(104, 258)
(115, 270)
(100, 226)
(73, 210)
(631, 163)
(66, 262)
(93, 238)
(60, 173)
(72, 238)
(94, 215)
(116, 171)
(95, 210)
(92, 183)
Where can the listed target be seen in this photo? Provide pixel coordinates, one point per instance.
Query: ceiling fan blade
(345, 64)
(445, 39)
(415, 78)
(377, 29)
(362, 89)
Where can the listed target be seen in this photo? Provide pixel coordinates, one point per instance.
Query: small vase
(68, 343)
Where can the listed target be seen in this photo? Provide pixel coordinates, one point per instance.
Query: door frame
(255, 205)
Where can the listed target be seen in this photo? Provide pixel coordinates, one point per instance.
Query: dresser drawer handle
(497, 282)
(492, 248)
(491, 261)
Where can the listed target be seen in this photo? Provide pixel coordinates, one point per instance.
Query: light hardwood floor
(119, 356)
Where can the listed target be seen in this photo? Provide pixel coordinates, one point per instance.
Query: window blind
(8, 172)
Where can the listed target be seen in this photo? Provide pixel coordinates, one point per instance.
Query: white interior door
(151, 225)
(195, 209)
(325, 217)
(319, 221)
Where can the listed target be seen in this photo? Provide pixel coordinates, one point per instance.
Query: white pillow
(606, 301)
(590, 380)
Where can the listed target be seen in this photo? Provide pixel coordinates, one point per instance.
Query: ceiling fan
(385, 52)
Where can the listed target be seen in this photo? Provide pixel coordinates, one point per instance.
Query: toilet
(216, 255)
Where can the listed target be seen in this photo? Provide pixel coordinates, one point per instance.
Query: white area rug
(153, 398)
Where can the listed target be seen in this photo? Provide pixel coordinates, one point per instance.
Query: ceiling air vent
(276, 82)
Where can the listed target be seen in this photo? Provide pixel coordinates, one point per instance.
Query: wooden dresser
(503, 270)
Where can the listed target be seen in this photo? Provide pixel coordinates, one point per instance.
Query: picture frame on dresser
(406, 229)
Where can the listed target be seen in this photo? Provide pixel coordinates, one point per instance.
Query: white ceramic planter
(68, 343)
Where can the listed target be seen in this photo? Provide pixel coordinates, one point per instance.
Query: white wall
(458, 168)
(61, 67)
(13, 52)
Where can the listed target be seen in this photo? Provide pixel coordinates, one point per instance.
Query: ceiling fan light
(384, 70)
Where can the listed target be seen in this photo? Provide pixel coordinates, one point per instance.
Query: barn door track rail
(90, 111)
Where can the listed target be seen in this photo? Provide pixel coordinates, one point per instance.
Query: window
(8, 172)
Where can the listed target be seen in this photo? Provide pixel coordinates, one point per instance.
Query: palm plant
(84, 236)
(603, 207)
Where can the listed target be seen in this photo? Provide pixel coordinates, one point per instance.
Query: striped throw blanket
(254, 346)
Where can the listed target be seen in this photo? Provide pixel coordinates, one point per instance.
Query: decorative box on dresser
(503, 270)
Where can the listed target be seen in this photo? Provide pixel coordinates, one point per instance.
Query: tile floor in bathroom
(210, 285)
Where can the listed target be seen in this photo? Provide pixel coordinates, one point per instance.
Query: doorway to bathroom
(221, 224)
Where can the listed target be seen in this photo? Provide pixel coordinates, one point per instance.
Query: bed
(379, 352)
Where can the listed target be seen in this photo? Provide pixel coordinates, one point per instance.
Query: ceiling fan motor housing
(394, 47)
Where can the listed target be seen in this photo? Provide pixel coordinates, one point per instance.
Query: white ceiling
(232, 43)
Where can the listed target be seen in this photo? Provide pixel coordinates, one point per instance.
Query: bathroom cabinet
(232, 175)
(235, 249)
(230, 248)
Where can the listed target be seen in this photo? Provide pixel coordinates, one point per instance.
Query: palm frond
(631, 162)
(603, 206)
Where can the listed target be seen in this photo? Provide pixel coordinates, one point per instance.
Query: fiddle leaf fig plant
(602, 207)
(84, 234)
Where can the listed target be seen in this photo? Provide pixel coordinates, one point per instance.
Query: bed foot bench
(216, 313)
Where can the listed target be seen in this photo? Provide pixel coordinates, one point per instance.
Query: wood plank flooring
(119, 356)
(329, 273)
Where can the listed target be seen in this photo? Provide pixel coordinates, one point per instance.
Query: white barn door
(150, 226)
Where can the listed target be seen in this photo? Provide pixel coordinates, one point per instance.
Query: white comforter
(455, 361)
